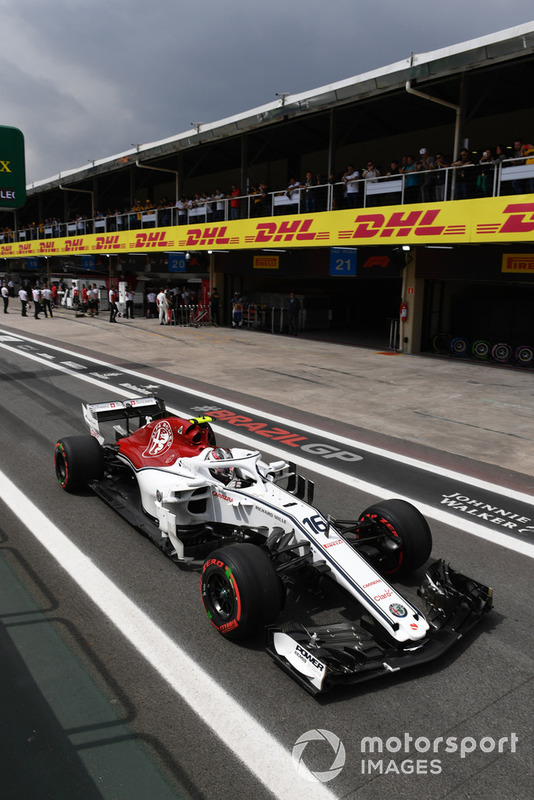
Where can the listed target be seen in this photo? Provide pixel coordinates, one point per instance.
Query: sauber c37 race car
(251, 527)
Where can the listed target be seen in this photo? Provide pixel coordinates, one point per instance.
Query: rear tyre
(241, 591)
(78, 460)
(442, 343)
(404, 542)
(481, 348)
(501, 352)
(524, 355)
(459, 346)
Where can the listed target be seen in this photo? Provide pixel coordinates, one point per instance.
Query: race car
(251, 528)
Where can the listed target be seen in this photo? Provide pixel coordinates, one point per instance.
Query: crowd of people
(426, 178)
(43, 297)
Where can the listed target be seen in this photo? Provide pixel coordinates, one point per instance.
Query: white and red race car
(251, 527)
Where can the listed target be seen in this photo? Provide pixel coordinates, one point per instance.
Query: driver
(223, 474)
(228, 475)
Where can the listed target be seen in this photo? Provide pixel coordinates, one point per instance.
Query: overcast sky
(86, 79)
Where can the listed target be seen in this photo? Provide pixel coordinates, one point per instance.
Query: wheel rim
(524, 355)
(481, 349)
(502, 352)
(389, 559)
(459, 346)
(221, 595)
(61, 468)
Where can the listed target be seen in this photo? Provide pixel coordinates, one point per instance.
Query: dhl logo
(47, 247)
(155, 239)
(107, 243)
(521, 219)
(6, 249)
(284, 231)
(72, 245)
(25, 248)
(207, 236)
(400, 223)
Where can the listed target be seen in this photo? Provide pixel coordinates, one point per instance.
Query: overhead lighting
(406, 248)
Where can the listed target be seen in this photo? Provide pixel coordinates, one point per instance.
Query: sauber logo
(161, 440)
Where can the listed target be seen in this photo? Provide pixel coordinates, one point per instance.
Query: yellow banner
(494, 219)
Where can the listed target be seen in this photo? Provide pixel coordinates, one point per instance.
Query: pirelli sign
(12, 168)
(518, 263)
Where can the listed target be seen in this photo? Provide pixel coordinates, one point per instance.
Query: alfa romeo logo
(398, 610)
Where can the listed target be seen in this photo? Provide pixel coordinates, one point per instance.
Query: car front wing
(347, 653)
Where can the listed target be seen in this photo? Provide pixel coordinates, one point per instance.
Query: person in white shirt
(5, 298)
(36, 294)
(95, 297)
(163, 307)
(113, 310)
(352, 187)
(23, 294)
(46, 295)
(152, 308)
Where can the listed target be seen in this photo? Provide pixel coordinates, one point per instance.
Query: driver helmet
(224, 474)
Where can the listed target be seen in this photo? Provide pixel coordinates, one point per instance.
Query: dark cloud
(86, 80)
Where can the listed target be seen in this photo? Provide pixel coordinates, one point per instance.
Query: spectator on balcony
(518, 153)
(371, 172)
(440, 177)
(464, 175)
(350, 180)
(427, 179)
(218, 197)
(485, 173)
(310, 194)
(181, 207)
(293, 195)
(235, 202)
(411, 180)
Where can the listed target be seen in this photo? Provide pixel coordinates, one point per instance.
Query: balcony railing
(511, 176)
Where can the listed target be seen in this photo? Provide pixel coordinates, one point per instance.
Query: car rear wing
(143, 409)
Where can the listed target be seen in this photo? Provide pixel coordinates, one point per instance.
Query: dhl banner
(496, 219)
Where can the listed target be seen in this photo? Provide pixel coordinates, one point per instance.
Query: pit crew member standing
(23, 294)
(113, 310)
(237, 310)
(36, 294)
(46, 295)
(5, 298)
(163, 307)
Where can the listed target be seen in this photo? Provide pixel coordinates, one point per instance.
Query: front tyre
(400, 540)
(78, 460)
(241, 591)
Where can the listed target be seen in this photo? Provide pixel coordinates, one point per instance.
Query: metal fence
(511, 176)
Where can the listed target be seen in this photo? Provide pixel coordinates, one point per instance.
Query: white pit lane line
(260, 752)
(489, 535)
